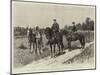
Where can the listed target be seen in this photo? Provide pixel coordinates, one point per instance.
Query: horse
(31, 39)
(53, 39)
(74, 36)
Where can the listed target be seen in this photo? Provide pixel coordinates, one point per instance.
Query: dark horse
(33, 41)
(74, 36)
(53, 39)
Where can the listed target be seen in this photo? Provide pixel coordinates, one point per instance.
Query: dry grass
(22, 55)
(87, 54)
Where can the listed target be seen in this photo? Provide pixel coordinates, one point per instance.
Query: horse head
(48, 32)
(64, 32)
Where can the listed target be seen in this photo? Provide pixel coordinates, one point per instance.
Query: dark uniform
(74, 29)
(55, 26)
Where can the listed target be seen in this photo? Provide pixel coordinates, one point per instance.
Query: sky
(42, 14)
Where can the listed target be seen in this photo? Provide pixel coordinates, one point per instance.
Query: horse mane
(48, 30)
(65, 32)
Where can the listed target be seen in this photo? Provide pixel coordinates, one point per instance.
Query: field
(23, 57)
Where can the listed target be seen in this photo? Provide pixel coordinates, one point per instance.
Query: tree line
(88, 24)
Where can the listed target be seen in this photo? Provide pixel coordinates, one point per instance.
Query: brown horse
(74, 36)
(53, 39)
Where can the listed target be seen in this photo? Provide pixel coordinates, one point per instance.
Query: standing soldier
(27, 31)
(55, 26)
(38, 39)
(37, 32)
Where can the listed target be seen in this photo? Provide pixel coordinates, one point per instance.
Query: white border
(5, 37)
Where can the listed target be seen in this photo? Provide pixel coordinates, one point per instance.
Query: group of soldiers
(35, 36)
(55, 28)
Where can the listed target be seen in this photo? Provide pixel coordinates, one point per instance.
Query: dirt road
(53, 64)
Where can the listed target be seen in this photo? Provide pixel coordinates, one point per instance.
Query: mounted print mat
(52, 37)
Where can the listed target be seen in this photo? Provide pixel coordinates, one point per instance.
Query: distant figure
(55, 26)
(74, 29)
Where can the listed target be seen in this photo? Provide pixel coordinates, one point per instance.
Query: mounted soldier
(74, 29)
(55, 26)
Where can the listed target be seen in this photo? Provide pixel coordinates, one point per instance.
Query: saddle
(73, 35)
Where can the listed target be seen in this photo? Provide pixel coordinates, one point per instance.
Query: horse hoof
(54, 56)
(51, 56)
(69, 50)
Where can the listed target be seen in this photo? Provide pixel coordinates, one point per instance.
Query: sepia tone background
(42, 14)
(5, 48)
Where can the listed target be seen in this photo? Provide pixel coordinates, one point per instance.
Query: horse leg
(39, 48)
(59, 47)
(69, 45)
(80, 42)
(62, 46)
(33, 46)
(83, 42)
(31, 50)
(29, 45)
(51, 51)
(54, 49)
(36, 47)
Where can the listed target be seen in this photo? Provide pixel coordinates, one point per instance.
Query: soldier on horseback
(74, 29)
(55, 26)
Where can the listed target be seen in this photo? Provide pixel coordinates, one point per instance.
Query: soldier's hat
(54, 19)
(73, 22)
